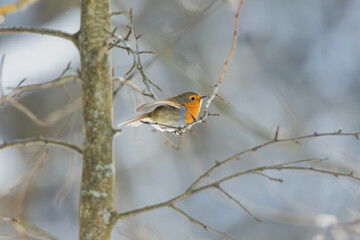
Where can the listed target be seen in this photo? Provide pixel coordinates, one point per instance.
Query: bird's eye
(192, 98)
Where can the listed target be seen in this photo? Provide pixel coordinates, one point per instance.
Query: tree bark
(97, 183)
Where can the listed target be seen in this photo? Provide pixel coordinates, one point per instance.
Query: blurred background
(296, 66)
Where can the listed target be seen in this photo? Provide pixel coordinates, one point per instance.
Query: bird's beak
(202, 97)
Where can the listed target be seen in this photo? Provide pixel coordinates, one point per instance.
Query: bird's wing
(149, 106)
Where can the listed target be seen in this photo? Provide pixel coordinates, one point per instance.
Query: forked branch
(292, 165)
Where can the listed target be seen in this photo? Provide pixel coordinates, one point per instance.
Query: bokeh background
(296, 66)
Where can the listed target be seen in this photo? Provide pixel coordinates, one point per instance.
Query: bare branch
(268, 177)
(206, 227)
(136, 56)
(275, 140)
(19, 90)
(13, 97)
(192, 189)
(278, 167)
(303, 160)
(217, 85)
(19, 106)
(232, 47)
(41, 140)
(139, 66)
(116, 216)
(129, 49)
(41, 31)
(237, 202)
(124, 81)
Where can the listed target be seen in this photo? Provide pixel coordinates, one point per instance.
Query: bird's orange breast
(193, 109)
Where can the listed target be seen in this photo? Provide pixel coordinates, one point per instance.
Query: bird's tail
(136, 121)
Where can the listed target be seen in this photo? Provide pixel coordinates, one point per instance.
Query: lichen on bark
(97, 184)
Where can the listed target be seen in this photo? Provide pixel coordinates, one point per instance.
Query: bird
(168, 115)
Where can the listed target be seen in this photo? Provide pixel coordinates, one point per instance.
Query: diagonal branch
(124, 81)
(215, 93)
(41, 31)
(27, 112)
(206, 227)
(237, 202)
(268, 177)
(41, 140)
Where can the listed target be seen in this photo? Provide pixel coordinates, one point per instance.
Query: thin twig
(238, 203)
(19, 106)
(217, 85)
(139, 66)
(277, 133)
(135, 55)
(124, 81)
(278, 167)
(129, 49)
(41, 140)
(206, 227)
(68, 67)
(304, 160)
(268, 177)
(41, 31)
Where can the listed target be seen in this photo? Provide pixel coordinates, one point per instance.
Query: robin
(168, 115)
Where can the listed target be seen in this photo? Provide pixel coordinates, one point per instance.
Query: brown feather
(136, 121)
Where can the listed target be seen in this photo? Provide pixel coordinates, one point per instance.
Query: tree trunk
(97, 183)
